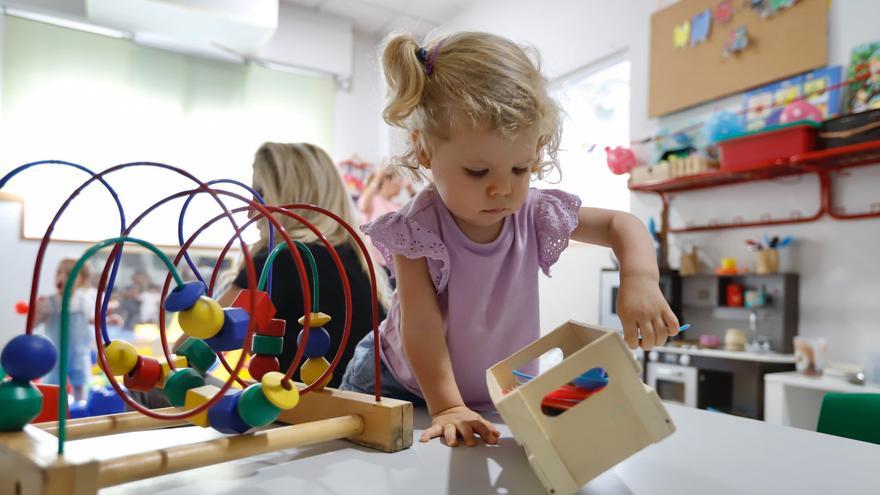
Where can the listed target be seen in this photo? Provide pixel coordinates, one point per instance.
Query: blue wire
(186, 203)
(110, 283)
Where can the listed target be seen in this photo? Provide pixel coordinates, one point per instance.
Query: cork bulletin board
(791, 41)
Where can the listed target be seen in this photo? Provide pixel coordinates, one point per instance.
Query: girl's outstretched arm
(424, 342)
(646, 316)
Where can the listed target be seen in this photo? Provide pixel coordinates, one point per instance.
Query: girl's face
(482, 177)
(392, 185)
(63, 273)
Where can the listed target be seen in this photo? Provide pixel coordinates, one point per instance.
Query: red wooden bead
(275, 328)
(261, 364)
(262, 312)
(50, 402)
(145, 375)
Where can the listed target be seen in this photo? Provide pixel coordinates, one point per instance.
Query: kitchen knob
(653, 356)
(684, 360)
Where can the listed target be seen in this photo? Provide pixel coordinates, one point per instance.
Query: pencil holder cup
(768, 261)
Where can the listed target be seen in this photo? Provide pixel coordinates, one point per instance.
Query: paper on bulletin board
(764, 105)
(792, 41)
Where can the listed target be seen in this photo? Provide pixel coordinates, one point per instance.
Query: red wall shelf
(824, 163)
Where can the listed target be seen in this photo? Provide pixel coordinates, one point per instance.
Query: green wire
(65, 317)
(314, 269)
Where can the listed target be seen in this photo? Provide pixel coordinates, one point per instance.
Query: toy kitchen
(741, 328)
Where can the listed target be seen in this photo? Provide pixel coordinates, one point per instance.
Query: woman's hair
(470, 79)
(303, 173)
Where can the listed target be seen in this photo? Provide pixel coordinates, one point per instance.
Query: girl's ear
(422, 154)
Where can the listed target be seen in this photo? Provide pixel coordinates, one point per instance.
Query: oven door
(609, 284)
(674, 383)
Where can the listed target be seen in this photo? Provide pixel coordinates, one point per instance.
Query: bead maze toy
(35, 459)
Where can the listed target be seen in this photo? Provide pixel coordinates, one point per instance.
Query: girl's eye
(520, 170)
(476, 173)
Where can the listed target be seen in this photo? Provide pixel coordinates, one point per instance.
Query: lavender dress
(487, 293)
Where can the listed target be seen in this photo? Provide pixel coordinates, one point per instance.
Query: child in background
(466, 250)
(81, 337)
(378, 199)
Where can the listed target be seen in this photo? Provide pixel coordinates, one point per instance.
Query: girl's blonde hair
(474, 79)
(303, 173)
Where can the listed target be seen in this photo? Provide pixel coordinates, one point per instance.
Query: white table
(794, 399)
(711, 453)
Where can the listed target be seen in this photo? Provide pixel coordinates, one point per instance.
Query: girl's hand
(43, 309)
(642, 308)
(459, 421)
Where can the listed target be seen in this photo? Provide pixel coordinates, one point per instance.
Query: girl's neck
(477, 233)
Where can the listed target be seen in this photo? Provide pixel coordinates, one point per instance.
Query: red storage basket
(767, 147)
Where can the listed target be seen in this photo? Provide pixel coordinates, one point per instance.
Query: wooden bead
(224, 416)
(262, 312)
(178, 361)
(28, 357)
(21, 404)
(312, 369)
(196, 397)
(271, 346)
(104, 401)
(121, 357)
(232, 333)
(145, 375)
(275, 328)
(276, 393)
(203, 320)
(261, 364)
(179, 382)
(184, 296)
(318, 320)
(319, 342)
(198, 354)
(49, 410)
(255, 409)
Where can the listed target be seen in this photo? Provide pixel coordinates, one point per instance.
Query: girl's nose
(499, 188)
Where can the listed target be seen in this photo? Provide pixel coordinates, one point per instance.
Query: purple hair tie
(427, 59)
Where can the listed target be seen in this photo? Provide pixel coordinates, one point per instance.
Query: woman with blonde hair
(285, 173)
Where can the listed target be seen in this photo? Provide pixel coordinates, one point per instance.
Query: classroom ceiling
(378, 17)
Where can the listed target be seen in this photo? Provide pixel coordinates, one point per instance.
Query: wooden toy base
(30, 465)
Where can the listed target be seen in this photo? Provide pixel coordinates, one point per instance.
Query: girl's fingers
(671, 322)
(660, 331)
(451, 435)
(647, 329)
(433, 431)
(630, 333)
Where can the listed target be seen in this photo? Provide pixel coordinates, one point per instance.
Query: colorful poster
(764, 105)
(864, 95)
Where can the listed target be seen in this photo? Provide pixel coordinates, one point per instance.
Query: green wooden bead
(198, 354)
(21, 402)
(255, 409)
(270, 346)
(178, 383)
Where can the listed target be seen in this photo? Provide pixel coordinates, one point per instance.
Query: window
(99, 101)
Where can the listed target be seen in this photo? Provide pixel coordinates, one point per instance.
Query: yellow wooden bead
(179, 362)
(203, 320)
(276, 393)
(318, 320)
(312, 369)
(121, 356)
(196, 397)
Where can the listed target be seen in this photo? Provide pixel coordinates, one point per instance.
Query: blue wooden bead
(103, 401)
(179, 382)
(21, 402)
(232, 333)
(184, 296)
(28, 357)
(224, 417)
(319, 342)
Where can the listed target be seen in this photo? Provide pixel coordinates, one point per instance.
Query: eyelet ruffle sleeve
(396, 234)
(556, 216)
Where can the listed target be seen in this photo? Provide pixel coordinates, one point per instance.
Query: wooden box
(568, 450)
(649, 173)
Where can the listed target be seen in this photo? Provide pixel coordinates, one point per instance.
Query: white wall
(837, 260)
(357, 117)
